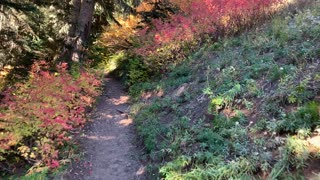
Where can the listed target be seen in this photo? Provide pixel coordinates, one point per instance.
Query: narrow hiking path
(109, 141)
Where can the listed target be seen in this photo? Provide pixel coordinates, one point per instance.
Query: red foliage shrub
(37, 115)
(200, 20)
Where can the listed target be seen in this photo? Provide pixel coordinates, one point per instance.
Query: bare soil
(109, 143)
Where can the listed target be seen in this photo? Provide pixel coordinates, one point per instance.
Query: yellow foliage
(147, 6)
(118, 37)
(144, 7)
(4, 72)
(225, 20)
(24, 151)
(8, 67)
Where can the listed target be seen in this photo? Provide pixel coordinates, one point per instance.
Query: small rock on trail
(109, 142)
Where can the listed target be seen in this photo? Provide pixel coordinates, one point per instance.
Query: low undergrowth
(144, 48)
(37, 116)
(245, 107)
(168, 42)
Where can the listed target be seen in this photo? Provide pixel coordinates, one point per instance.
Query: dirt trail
(109, 142)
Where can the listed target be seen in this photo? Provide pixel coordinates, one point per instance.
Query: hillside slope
(245, 107)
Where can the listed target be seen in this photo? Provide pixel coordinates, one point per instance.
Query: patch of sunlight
(120, 100)
(105, 115)
(105, 138)
(125, 122)
(225, 20)
(109, 116)
(284, 4)
(114, 61)
(4, 72)
(315, 141)
(141, 171)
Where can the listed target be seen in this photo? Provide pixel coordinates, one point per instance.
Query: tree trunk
(83, 29)
(71, 38)
(75, 10)
(79, 32)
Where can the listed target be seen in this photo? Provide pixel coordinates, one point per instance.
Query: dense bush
(169, 42)
(35, 116)
(160, 36)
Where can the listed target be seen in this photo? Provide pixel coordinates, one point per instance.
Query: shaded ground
(109, 142)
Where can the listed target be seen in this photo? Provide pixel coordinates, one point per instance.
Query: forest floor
(109, 142)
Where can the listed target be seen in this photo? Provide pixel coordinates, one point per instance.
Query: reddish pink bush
(37, 115)
(202, 19)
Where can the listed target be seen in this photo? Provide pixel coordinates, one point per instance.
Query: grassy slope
(245, 107)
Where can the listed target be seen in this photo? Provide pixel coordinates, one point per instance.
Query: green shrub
(307, 117)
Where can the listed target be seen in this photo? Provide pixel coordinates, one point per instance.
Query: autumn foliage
(118, 35)
(36, 116)
(156, 42)
(168, 42)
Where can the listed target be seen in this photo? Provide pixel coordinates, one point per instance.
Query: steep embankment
(245, 107)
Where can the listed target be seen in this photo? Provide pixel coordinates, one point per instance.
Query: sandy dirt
(109, 142)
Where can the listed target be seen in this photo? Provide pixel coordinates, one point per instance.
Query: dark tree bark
(75, 10)
(81, 17)
(79, 33)
(83, 29)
